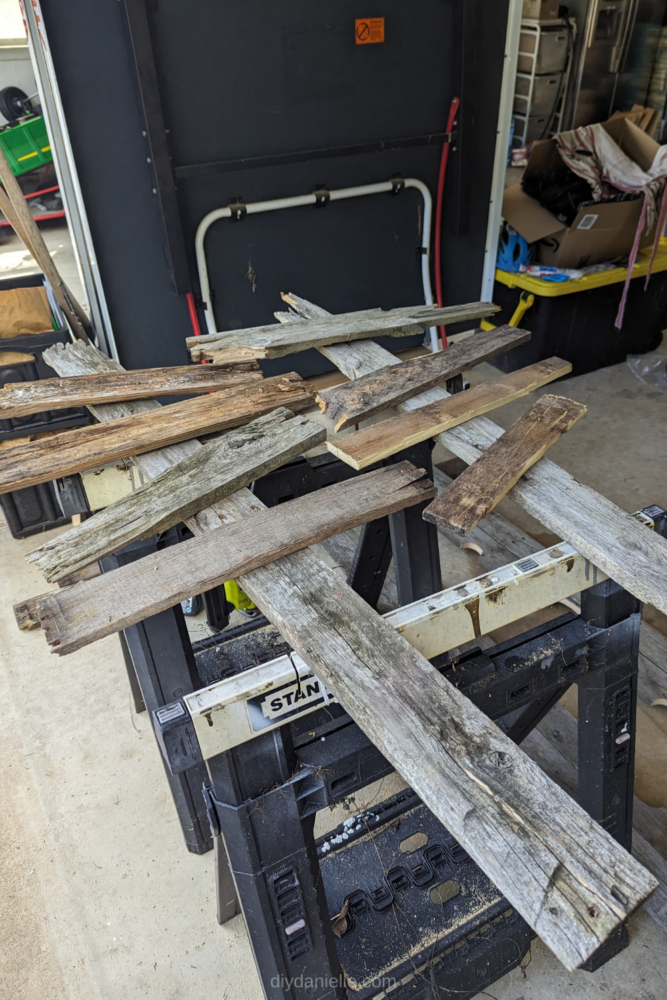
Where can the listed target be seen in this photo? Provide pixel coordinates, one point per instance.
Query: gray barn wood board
(358, 400)
(487, 480)
(277, 340)
(212, 472)
(550, 859)
(125, 596)
(276, 590)
(20, 399)
(387, 437)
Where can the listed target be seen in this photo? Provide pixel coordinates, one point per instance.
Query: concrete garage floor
(98, 896)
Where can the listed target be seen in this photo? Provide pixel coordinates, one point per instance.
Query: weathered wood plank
(219, 468)
(275, 584)
(19, 399)
(371, 444)
(554, 759)
(484, 483)
(87, 447)
(115, 600)
(352, 402)
(278, 339)
(564, 874)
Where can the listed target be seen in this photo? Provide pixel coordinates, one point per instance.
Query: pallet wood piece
(19, 399)
(279, 339)
(545, 854)
(219, 468)
(352, 402)
(274, 586)
(115, 600)
(484, 483)
(380, 440)
(87, 447)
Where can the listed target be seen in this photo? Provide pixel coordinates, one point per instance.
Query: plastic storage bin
(575, 320)
(32, 510)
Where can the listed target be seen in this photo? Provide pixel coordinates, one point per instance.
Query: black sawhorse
(409, 919)
(159, 655)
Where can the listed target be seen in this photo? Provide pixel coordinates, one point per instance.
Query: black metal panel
(258, 79)
(93, 63)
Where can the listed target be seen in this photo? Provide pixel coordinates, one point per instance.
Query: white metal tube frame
(384, 187)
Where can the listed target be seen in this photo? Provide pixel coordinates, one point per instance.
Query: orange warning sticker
(368, 30)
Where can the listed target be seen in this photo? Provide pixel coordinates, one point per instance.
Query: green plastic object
(26, 145)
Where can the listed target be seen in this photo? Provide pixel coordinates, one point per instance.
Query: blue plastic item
(513, 250)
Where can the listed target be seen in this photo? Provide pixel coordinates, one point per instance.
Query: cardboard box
(601, 231)
(540, 10)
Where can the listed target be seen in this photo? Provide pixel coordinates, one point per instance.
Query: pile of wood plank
(566, 876)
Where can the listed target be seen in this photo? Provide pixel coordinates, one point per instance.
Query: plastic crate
(26, 145)
(29, 371)
(32, 510)
(574, 320)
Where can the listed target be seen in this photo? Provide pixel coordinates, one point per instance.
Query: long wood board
(278, 339)
(273, 586)
(80, 615)
(87, 447)
(484, 483)
(371, 444)
(219, 468)
(352, 402)
(19, 399)
(563, 872)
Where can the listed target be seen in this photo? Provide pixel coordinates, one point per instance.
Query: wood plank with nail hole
(484, 483)
(98, 444)
(212, 472)
(115, 600)
(278, 339)
(380, 440)
(352, 402)
(20, 399)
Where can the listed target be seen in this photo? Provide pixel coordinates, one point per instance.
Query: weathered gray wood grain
(81, 615)
(554, 863)
(362, 398)
(278, 339)
(548, 753)
(212, 472)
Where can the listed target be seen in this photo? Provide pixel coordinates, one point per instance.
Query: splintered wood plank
(355, 401)
(87, 447)
(19, 399)
(484, 483)
(281, 586)
(567, 876)
(278, 339)
(369, 445)
(115, 600)
(212, 472)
